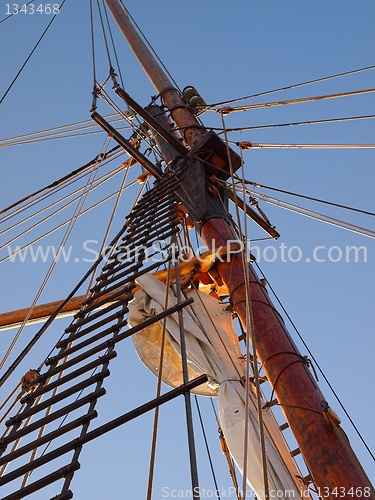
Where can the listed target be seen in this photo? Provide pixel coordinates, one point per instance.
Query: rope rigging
(314, 215)
(296, 85)
(158, 392)
(315, 360)
(98, 182)
(60, 132)
(56, 228)
(150, 46)
(12, 14)
(207, 447)
(239, 186)
(43, 197)
(31, 53)
(301, 100)
(139, 130)
(319, 200)
(49, 409)
(250, 337)
(291, 124)
(113, 42)
(45, 326)
(80, 203)
(111, 69)
(60, 181)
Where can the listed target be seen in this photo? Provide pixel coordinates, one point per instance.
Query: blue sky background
(226, 50)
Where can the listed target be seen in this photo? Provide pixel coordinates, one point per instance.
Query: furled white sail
(213, 348)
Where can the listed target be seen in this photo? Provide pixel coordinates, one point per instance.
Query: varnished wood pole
(192, 130)
(323, 444)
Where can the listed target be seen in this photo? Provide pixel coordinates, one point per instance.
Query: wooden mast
(332, 462)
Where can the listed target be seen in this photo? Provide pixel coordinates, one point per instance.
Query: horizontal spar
(40, 313)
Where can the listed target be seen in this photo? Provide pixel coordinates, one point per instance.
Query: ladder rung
(45, 481)
(41, 483)
(62, 380)
(48, 437)
(283, 427)
(51, 417)
(57, 398)
(295, 452)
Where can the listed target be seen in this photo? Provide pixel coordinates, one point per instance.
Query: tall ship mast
(152, 282)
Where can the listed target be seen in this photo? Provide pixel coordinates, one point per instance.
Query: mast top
(151, 67)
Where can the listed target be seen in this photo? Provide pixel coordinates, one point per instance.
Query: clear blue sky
(226, 50)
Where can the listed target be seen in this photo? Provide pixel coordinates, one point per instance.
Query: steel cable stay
(318, 200)
(249, 337)
(316, 363)
(238, 184)
(204, 434)
(139, 130)
(61, 373)
(313, 215)
(84, 212)
(261, 196)
(71, 223)
(155, 428)
(55, 133)
(60, 136)
(47, 191)
(291, 124)
(99, 182)
(45, 326)
(11, 15)
(293, 86)
(58, 132)
(228, 130)
(301, 100)
(31, 53)
(304, 211)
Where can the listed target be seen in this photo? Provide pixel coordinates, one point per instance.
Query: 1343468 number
(12, 9)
